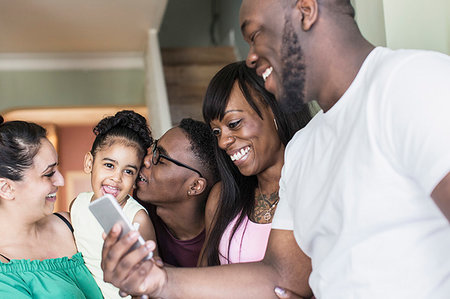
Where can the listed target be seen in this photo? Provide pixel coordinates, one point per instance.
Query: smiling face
(275, 51)
(37, 189)
(114, 169)
(251, 143)
(166, 182)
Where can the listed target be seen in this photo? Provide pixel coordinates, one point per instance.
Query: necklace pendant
(267, 216)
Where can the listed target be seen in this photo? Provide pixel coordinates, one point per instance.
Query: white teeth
(267, 73)
(238, 155)
(51, 195)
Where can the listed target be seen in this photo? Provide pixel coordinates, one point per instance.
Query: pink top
(249, 242)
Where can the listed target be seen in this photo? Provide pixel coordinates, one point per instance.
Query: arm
(146, 228)
(210, 211)
(284, 265)
(441, 195)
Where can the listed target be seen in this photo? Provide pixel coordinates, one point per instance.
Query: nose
(147, 160)
(251, 58)
(58, 179)
(226, 140)
(117, 175)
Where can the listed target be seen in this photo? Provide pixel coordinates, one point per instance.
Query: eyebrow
(112, 160)
(244, 25)
(163, 150)
(50, 167)
(233, 110)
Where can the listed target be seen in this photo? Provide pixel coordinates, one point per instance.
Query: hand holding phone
(108, 212)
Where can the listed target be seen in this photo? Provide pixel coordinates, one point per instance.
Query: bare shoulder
(142, 217)
(58, 234)
(56, 225)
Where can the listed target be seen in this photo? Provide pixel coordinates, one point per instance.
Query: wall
(74, 142)
(417, 24)
(229, 27)
(370, 19)
(70, 88)
(186, 24)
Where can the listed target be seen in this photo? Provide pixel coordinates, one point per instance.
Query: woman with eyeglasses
(38, 256)
(251, 134)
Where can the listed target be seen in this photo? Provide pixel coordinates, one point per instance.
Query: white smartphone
(108, 212)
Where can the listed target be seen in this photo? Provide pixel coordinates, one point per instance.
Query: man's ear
(197, 187)
(309, 11)
(88, 162)
(6, 189)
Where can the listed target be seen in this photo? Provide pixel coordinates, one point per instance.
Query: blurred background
(66, 64)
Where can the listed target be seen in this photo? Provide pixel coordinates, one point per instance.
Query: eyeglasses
(156, 157)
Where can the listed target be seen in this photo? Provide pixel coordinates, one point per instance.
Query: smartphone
(108, 212)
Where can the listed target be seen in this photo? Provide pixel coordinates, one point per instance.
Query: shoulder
(55, 229)
(141, 217)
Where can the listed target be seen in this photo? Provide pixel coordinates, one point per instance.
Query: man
(173, 185)
(365, 190)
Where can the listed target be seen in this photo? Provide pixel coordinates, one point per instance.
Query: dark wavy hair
(238, 191)
(20, 141)
(127, 125)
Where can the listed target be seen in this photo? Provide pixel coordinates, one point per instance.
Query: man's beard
(292, 97)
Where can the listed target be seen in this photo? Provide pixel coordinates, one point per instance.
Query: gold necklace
(268, 213)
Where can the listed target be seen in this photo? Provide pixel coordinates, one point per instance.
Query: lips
(267, 73)
(114, 191)
(142, 178)
(51, 197)
(240, 154)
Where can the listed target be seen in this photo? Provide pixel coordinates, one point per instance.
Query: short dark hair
(20, 141)
(125, 124)
(202, 144)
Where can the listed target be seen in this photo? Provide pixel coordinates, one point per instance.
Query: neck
(344, 51)
(268, 180)
(185, 221)
(16, 228)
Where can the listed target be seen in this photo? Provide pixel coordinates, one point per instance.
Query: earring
(276, 125)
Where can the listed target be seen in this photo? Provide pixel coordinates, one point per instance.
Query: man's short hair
(202, 144)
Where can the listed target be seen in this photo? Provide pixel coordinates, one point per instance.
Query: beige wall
(418, 24)
(411, 24)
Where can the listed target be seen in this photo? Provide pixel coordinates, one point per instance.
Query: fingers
(134, 283)
(116, 261)
(158, 261)
(284, 293)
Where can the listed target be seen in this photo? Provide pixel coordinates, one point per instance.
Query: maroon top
(175, 252)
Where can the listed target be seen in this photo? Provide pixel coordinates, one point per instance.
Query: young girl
(114, 161)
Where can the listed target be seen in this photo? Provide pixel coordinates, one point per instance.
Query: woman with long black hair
(252, 133)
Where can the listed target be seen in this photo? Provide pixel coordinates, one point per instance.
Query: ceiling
(65, 30)
(37, 26)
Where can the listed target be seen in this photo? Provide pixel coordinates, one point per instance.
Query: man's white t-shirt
(356, 183)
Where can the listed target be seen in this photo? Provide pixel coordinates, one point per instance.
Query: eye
(234, 124)
(49, 175)
(109, 165)
(129, 171)
(216, 132)
(253, 36)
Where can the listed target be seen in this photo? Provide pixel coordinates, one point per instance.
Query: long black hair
(238, 191)
(20, 141)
